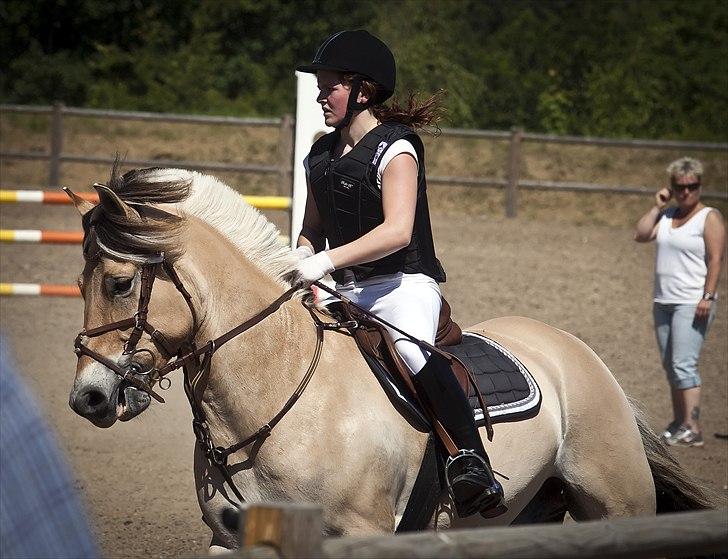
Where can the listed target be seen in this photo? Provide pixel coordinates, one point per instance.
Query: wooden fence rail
(56, 156)
(287, 530)
(284, 166)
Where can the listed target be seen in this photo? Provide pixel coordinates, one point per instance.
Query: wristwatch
(708, 296)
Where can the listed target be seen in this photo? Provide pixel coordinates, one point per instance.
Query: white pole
(309, 127)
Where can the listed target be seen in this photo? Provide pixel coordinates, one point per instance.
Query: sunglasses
(691, 186)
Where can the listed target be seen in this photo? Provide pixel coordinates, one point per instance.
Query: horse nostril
(93, 398)
(231, 519)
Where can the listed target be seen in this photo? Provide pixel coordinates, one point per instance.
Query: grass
(464, 157)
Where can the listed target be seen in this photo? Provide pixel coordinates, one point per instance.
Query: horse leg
(215, 507)
(547, 506)
(602, 459)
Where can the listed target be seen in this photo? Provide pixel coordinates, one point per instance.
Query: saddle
(498, 385)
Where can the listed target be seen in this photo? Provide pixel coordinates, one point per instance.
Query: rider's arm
(312, 232)
(399, 200)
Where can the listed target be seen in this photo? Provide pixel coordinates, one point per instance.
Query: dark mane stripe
(143, 186)
(154, 230)
(151, 230)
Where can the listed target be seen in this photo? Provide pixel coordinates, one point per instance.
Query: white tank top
(680, 267)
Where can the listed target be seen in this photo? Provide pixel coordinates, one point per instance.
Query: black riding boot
(472, 485)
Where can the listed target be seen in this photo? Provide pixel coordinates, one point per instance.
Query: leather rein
(194, 361)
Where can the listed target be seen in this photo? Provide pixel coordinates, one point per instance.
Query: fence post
(54, 174)
(292, 529)
(285, 155)
(514, 168)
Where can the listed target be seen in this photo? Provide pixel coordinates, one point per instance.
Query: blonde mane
(147, 191)
(244, 226)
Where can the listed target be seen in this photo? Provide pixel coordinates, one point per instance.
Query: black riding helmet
(361, 53)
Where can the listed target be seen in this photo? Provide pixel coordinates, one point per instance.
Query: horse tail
(674, 488)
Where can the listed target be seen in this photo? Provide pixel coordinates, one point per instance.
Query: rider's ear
(114, 205)
(83, 206)
(362, 98)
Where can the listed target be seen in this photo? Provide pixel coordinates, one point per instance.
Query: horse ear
(83, 206)
(113, 204)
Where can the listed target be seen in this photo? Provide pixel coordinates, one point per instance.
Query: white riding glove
(304, 251)
(313, 268)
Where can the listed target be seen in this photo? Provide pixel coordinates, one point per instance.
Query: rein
(196, 361)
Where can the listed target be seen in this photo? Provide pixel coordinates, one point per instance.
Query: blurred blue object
(40, 513)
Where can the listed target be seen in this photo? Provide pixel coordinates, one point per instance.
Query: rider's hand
(662, 197)
(313, 268)
(702, 312)
(304, 251)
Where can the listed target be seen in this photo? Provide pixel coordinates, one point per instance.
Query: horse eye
(119, 287)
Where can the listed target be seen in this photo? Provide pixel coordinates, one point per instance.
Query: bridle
(195, 361)
(140, 325)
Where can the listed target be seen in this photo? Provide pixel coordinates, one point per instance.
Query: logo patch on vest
(347, 184)
(380, 149)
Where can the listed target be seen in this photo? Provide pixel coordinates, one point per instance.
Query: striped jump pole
(40, 236)
(55, 237)
(39, 289)
(60, 198)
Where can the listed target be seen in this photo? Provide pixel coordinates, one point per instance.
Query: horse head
(130, 330)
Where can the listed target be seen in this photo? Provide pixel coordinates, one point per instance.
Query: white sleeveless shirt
(680, 266)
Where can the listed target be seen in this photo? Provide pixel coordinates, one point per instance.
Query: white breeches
(411, 302)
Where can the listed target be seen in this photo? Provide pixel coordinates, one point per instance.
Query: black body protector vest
(350, 203)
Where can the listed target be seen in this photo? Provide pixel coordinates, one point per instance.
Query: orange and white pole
(39, 289)
(40, 236)
(52, 197)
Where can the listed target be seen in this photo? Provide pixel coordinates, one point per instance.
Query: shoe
(472, 485)
(670, 432)
(687, 437)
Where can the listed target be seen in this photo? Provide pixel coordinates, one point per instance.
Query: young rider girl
(367, 198)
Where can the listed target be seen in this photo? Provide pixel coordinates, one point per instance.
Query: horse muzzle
(104, 400)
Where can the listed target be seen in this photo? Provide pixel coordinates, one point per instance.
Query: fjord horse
(218, 262)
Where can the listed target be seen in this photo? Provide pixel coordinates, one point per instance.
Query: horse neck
(251, 375)
(254, 374)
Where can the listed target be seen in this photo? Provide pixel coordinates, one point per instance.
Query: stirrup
(463, 454)
(487, 492)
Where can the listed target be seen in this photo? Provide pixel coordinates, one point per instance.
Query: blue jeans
(680, 338)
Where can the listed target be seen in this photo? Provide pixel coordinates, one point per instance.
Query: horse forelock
(147, 230)
(190, 193)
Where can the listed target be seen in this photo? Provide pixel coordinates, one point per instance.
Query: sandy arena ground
(136, 478)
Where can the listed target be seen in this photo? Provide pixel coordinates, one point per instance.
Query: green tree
(606, 67)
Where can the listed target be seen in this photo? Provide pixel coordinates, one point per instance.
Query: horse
(335, 438)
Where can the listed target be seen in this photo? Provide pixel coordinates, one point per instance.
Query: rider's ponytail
(414, 113)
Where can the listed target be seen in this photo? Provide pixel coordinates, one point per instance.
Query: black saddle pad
(509, 390)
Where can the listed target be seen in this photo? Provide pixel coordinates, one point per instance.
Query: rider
(367, 198)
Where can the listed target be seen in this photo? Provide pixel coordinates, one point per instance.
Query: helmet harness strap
(353, 105)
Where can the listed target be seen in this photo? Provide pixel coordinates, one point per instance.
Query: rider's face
(333, 96)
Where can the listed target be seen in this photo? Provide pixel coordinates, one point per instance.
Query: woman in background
(690, 245)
